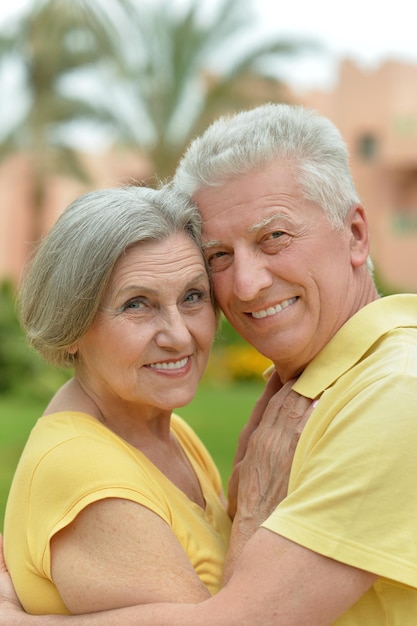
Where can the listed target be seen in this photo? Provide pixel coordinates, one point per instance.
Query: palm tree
(154, 69)
(50, 44)
(184, 68)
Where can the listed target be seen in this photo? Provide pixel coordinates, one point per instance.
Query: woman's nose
(173, 331)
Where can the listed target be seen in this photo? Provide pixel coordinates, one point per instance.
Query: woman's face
(150, 341)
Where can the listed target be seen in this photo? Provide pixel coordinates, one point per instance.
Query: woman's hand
(11, 612)
(260, 477)
(265, 468)
(271, 388)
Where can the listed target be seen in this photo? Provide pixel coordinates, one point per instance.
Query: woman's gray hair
(61, 290)
(250, 140)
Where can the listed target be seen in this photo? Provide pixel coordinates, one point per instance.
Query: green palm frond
(157, 66)
(171, 54)
(54, 42)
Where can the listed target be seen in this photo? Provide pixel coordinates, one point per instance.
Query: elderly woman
(115, 501)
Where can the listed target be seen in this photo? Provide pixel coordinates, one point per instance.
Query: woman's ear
(73, 349)
(359, 242)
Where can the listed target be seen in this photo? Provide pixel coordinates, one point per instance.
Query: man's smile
(272, 310)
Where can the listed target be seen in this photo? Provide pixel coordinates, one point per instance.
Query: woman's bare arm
(275, 583)
(270, 451)
(118, 553)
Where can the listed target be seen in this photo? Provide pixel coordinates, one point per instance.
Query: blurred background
(98, 93)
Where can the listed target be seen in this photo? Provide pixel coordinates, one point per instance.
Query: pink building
(376, 111)
(16, 209)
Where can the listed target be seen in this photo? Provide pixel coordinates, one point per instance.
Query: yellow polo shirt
(72, 460)
(352, 493)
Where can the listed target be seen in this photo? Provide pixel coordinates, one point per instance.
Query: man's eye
(219, 260)
(216, 255)
(276, 234)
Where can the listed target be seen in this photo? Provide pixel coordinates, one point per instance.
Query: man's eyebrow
(210, 244)
(214, 243)
(271, 218)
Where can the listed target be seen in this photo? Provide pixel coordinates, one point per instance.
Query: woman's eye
(194, 296)
(135, 303)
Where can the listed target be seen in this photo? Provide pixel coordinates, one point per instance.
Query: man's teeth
(273, 309)
(172, 365)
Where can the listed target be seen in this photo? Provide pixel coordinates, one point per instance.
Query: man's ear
(359, 236)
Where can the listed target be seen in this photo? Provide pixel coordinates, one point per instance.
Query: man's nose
(251, 274)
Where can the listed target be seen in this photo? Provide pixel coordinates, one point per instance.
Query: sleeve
(76, 473)
(353, 498)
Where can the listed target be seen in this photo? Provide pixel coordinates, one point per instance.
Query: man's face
(282, 274)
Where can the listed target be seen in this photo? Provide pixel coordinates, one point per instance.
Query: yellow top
(352, 494)
(72, 460)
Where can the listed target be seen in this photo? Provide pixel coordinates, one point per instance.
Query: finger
(281, 405)
(304, 418)
(271, 388)
(2, 563)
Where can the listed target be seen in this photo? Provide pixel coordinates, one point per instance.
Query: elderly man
(286, 238)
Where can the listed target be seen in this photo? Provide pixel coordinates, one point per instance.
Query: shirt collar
(355, 338)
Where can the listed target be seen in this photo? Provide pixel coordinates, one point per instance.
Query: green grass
(216, 414)
(17, 416)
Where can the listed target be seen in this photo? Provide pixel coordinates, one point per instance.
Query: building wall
(16, 205)
(376, 112)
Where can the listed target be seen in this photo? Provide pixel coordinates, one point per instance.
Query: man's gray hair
(235, 145)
